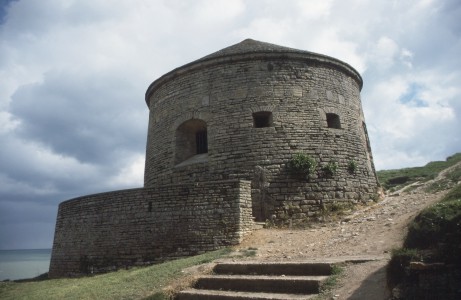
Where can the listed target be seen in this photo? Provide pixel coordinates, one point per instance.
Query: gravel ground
(371, 232)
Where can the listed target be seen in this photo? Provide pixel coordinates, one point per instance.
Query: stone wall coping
(245, 54)
(162, 187)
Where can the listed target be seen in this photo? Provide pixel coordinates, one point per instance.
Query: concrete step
(262, 283)
(274, 268)
(194, 294)
(258, 225)
(260, 280)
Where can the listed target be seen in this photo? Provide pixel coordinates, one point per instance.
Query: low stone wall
(103, 232)
(429, 281)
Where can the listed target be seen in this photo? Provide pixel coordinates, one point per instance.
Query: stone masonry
(107, 231)
(222, 132)
(306, 102)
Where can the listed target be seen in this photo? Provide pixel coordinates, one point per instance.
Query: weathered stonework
(298, 90)
(222, 132)
(104, 232)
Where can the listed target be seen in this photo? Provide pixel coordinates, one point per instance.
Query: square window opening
(333, 121)
(262, 119)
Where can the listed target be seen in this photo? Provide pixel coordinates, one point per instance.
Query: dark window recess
(191, 139)
(262, 119)
(149, 208)
(333, 121)
(201, 142)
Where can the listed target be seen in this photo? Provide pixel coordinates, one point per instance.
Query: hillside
(392, 180)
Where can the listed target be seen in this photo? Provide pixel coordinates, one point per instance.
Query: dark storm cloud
(25, 219)
(90, 118)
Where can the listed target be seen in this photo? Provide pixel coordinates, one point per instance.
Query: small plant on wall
(302, 163)
(330, 169)
(352, 166)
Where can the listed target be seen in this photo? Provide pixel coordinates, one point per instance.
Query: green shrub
(303, 164)
(434, 225)
(338, 207)
(330, 169)
(352, 166)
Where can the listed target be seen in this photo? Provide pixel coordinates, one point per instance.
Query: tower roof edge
(252, 48)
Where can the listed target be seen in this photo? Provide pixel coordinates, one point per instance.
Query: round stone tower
(245, 111)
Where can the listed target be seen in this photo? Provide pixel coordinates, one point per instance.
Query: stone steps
(260, 280)
(274, 268)
(258, 225)
(195, 294)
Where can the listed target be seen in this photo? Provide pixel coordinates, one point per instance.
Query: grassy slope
(394, 178)
(433, 236)
(439, 225)
(136, 283)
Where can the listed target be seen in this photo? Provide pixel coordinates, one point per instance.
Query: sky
(73, 74)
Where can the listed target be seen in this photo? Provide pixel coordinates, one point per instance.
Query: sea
(24, 264)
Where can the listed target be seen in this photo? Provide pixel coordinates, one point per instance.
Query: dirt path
(372, 231)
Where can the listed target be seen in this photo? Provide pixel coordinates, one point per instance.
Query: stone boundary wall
(103, 232)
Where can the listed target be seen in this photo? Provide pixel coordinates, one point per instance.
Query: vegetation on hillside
(438, 228)
(433, 244)
(393, 179)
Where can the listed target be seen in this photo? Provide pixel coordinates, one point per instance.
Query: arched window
(333, 121)
(262, 119)
(191, 139)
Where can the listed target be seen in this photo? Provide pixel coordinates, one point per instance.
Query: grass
(249, 252)
(391, 179)
(327, 286)
(136, 283)
(338, 208)
(453, 194)
(452, 178)
(437, 224)
(433, 236)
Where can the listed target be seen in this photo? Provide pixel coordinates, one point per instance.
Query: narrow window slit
(201, 142)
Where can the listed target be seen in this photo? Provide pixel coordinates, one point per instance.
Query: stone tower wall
(299, 92)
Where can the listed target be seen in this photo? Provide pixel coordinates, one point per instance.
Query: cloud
(93, 116)
(386, 52)
(412, 116)
(130, 174)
